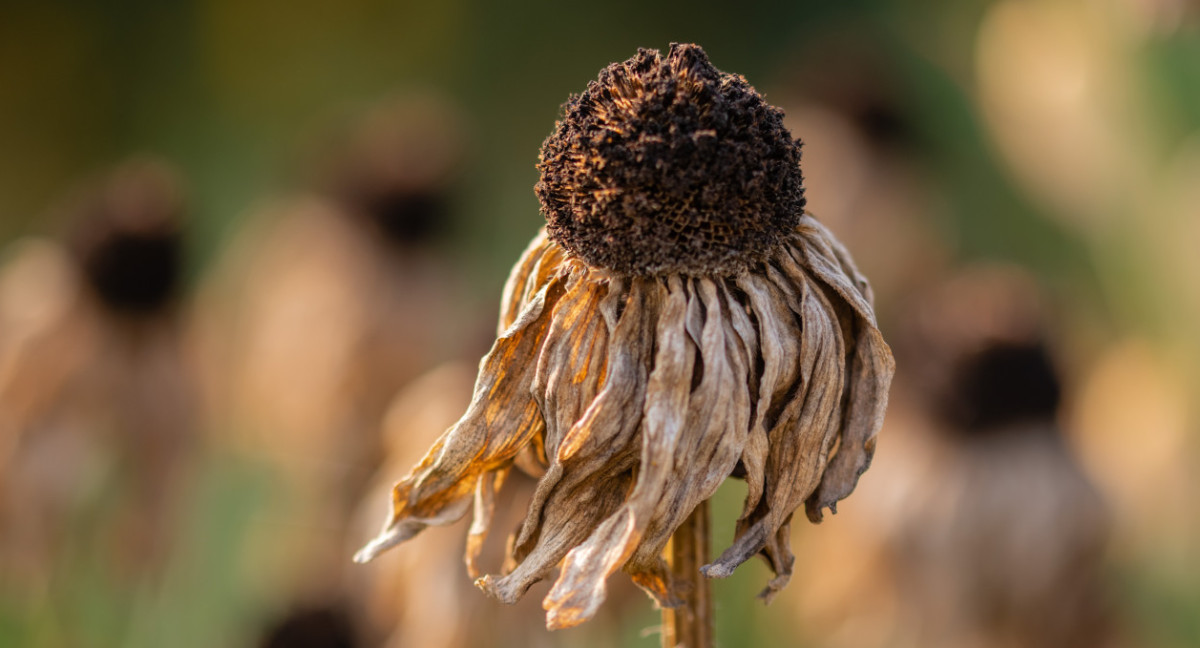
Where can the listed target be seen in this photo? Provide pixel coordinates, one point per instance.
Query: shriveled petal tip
(500, 421)
(774, 586)
(398, 530)
(386, 540)
(485, 508)
(871, 376)
(581, 587)
(491, 586)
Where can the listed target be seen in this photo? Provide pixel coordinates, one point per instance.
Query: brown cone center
(668, 165)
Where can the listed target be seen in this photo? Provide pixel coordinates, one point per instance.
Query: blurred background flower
(1058, 137)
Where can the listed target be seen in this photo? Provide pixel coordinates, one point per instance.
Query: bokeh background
(335, 192)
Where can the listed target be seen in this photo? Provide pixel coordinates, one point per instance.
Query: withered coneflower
(97, 397)
(1004, 534)
(679, 320)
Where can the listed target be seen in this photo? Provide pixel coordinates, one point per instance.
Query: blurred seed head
(975, 333)
(397, 166)
(852, 75)
(127, 236)
(1001, 385)
(314, 627)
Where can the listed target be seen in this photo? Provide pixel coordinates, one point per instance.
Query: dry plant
(680, 320)
(97, 394)
(328, 301)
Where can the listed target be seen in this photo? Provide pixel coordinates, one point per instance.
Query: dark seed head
(128, 239)
(320, 627)
(1003, 384)
(668, 165)
(395, 170)
(407, 218)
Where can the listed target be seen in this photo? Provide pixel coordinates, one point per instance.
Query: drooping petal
(815, 256)
(580, 587)
(499, 422)
(514, 297)
(591, 467)
(801, 437)
(571, 363)
(829, 260)
(485, 507)
(823, 401)
(570, 514)
(619, 373)
(716, 430)
(754, 451)
(870, 378)
(778, 340)
(871, 367)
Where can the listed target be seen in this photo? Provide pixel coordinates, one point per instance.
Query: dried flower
(128, 239)
(353, 256)
(97, 397)
(679, 320)
(1003, 537)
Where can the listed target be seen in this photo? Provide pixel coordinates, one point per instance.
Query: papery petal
(778, 337)
(485, 507)
(581, 585)
(818, 255)
(514, 298)
(871, 367)
(591, 468)
(801, 437)
(549, 262)
(870, 379)
(821, 242)
(499, 422)
(716, 430)
(571, 363)
(572, 512)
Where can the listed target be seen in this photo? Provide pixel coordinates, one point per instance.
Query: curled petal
(499, 422)
(778, 340)
(717, 427)
(571, 363)
(829, 260)
(591, 468)
(871, 375)
(871, 370)
(581, 586)
(485, 508)
(800, 439)
(515, 296)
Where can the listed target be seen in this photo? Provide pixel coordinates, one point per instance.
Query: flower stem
(690, 625)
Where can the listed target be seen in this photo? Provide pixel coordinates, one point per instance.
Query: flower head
(680, 320)
(128, 239)
(668, 165)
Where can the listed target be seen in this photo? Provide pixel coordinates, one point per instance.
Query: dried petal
(499, 421)
(596, 451)
(515, 297)
(580, 588)
(870, 372)
(717, 424)
(800, 439)
(485, 508)
(635, 397)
